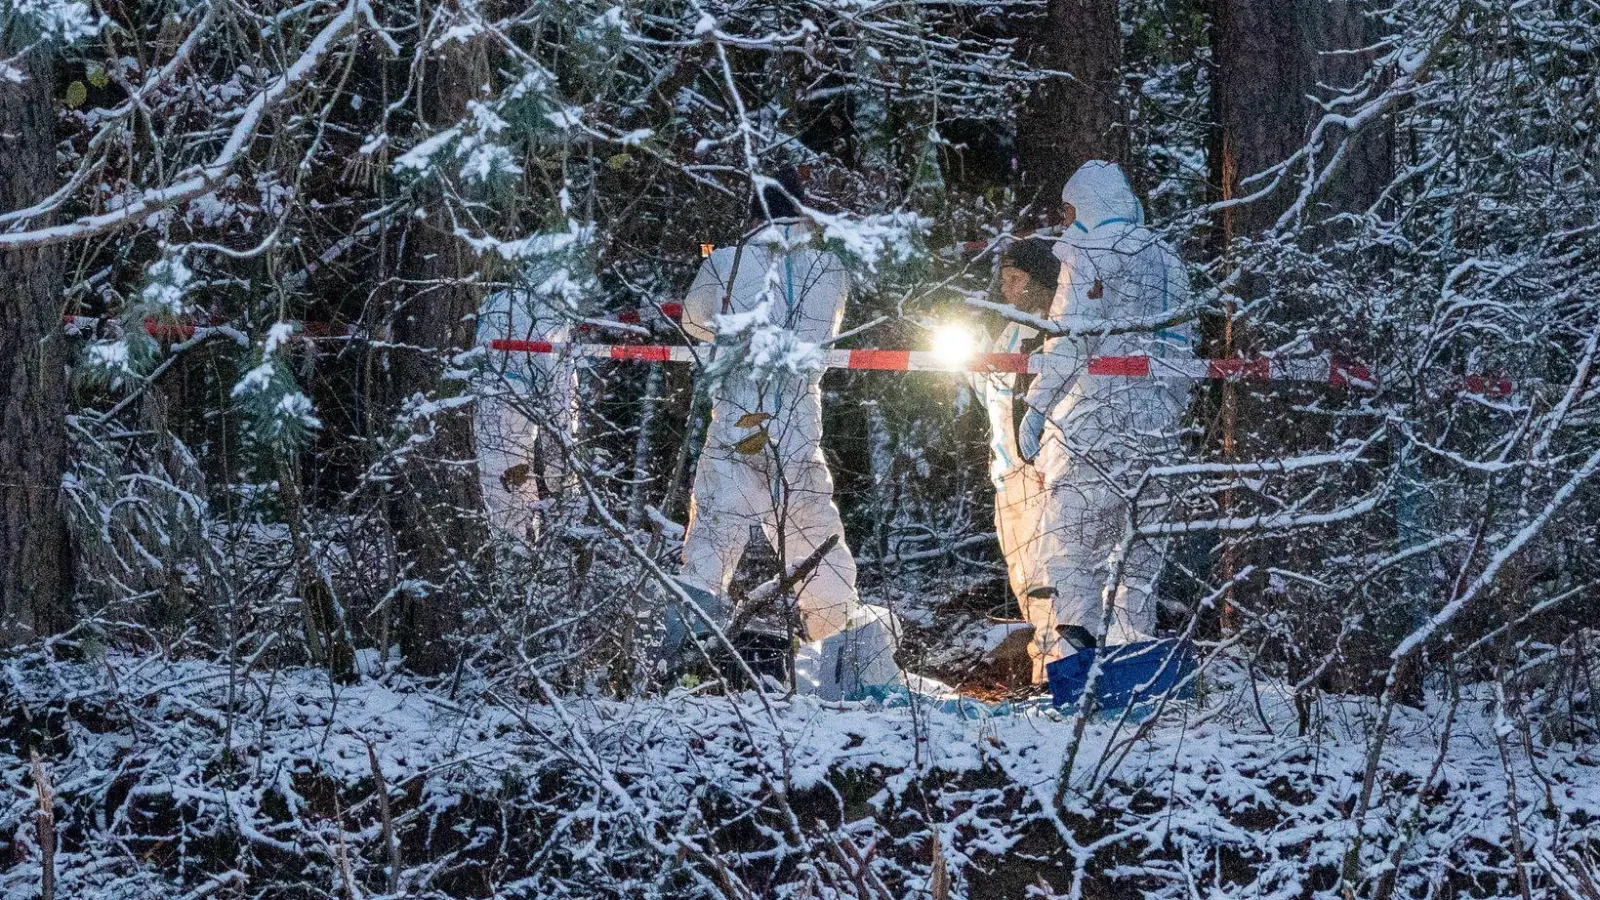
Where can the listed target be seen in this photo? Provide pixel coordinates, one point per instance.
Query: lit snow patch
(532, 83)
(462, 33)
(296, 407)
(533, 246)
(872, 239)
(484, 161)
(770, 349)
(113, 358)
(487, 120)
(569, 117)
(254, 381)
(612, 19)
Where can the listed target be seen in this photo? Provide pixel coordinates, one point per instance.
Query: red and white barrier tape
(1324, 369)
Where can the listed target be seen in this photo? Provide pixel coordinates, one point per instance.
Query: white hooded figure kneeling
(770, 303)
(1092, 434)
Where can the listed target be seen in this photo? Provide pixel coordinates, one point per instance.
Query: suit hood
(1101, 195)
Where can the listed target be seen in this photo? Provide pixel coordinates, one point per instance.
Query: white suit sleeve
(1178, 340)
(703, 302)
(833, 292)
(1066, 356)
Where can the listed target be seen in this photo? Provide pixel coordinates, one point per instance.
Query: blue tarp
(1130, 674)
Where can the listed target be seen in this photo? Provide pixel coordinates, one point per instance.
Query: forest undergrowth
(284, 784)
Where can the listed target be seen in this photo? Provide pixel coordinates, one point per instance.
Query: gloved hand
(1030, 435)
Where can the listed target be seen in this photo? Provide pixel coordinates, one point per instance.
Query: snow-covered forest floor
(191, 779)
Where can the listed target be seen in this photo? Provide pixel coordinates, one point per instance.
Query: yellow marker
(705, 250)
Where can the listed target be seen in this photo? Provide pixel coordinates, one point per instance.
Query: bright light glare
(954, 345)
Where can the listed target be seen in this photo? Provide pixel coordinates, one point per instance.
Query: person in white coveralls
(762, 464)
(518, 464)
(1119, 284)
(1027, 280)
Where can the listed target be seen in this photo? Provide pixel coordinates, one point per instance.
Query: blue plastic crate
(1130, 674)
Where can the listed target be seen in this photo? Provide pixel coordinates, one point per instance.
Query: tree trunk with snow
(1263, 73)
(35, 570)
(1274, 60)
(438, 514)
(1069, 119)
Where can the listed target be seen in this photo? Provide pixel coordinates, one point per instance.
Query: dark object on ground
(1130, 674)
(1000, 671)
(767, 654)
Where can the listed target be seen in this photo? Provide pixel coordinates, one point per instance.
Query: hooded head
(1100, 194)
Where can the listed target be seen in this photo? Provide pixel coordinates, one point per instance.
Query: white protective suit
(762, 464)
(1101, 429)
(1018, 500)
(517, 466)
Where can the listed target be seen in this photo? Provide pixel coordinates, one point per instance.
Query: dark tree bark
(1272, 57)
(437, 514)
(1370, 163)
(1264, 71)
(35, 566)
(1273, 60)
(1070, 119)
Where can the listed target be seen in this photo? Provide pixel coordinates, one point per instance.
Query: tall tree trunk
(1370, 163)
(1273, 59)
(35, 566)
(438, 516)
(1071, 118)
(1264, 70)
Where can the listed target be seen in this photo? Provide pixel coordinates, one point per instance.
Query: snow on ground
(1215, 795)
